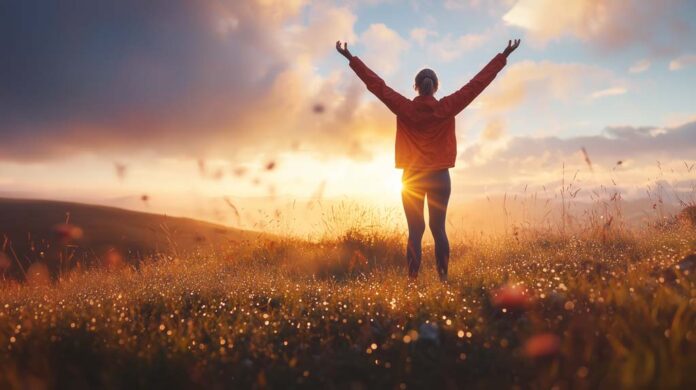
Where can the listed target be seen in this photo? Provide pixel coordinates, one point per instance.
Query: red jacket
(425, 138)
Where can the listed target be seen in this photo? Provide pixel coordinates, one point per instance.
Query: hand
(343, 50)
(512, 45)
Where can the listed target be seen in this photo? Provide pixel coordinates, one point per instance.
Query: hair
(426, 82)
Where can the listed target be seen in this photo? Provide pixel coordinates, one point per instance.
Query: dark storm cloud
(99, 73)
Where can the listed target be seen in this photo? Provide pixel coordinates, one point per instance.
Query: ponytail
(426, 82)
(426, 87)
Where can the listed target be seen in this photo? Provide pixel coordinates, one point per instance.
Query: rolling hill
(36, 230)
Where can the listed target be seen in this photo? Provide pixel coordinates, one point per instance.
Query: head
(426, 82)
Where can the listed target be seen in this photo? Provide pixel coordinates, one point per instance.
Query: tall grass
(591, 312)
(564, 296)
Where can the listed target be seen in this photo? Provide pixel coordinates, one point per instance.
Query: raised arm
(392, 99)
(456, 102)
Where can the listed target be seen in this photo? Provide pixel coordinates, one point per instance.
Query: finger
(509, 43)
(345, 46)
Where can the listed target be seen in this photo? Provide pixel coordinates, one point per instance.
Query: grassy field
(529, 310)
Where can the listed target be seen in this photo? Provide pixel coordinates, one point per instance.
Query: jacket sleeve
(456, 102)
(392, 99)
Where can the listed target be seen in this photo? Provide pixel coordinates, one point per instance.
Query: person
(426, 147)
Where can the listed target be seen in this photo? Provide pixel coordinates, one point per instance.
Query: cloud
(493, 131)
(659, 26)
(181, 79)
(469, 4)
(449, 48)
(534, 160)
(541, 82)
(421, 34)
(459, 4)
(383, 47)
(322, 24)
(682, 62)
(640, 66)
(608, 92)
(119, 74)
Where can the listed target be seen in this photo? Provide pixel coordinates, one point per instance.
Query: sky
(166, 105)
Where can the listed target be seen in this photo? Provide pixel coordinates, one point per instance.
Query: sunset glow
(348, 194)
(249, 100)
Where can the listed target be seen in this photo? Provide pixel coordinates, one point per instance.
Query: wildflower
(510, 297)
(113, 258)
(542, 345)
(66, 232)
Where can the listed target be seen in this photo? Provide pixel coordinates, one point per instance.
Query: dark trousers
(437, 187)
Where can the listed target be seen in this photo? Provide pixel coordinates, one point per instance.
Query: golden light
(395, 184)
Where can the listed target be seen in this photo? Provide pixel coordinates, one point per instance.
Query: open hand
(512, 45)
(343, 50)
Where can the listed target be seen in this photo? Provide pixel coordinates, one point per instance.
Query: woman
(426, 147)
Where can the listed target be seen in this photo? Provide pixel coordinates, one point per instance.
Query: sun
(394, 184)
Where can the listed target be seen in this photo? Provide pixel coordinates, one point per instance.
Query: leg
(412, 198)
(438, 198)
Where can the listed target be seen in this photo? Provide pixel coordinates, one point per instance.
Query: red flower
(113, 258)
(510, 297)
(542, 345)
(66, 232)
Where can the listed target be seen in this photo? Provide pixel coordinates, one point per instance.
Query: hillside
(36, 230)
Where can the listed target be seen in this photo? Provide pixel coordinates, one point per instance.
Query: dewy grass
(530, 309)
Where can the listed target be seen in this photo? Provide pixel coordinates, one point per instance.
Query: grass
(524, 310)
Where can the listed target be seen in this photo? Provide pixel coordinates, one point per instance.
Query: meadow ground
(529, 310)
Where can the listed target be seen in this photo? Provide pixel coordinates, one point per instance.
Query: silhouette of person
(426, 147)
